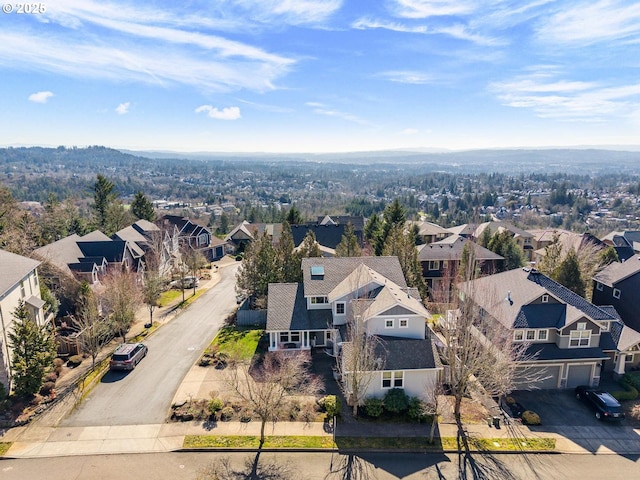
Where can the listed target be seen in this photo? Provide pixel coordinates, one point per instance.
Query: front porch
(301, 339)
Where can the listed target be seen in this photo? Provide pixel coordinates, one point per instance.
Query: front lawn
(169, 297)
(237, 342)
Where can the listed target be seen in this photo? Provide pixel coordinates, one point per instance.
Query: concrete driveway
(559, 408)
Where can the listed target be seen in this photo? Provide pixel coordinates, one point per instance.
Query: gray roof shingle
(13, 268)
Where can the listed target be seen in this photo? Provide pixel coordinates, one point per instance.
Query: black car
(603, 403)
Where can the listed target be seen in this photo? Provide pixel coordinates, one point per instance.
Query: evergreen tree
(288, 259)
(309, 246)
(393, 216)
(294, 217)
(103, 197)
(485, 237)
(401, 244)
(259, 267)
(373, 233)
(504, 245)
(142, 208)
(33, 348)
(348, 246)
(568, 274)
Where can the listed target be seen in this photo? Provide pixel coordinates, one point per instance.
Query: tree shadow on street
(252, 469)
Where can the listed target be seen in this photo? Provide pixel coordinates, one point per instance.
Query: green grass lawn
(378, 443)
(170, 296)
(238, 342)
(4, 447)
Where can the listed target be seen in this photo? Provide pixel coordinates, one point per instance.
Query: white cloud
(457, 30)
(294, 12)
(123, 108)
(40, 97)
(585, 24)
(430, 8)
(321, 109)
(227, 113)
(551, 97)
(409, 131)
(407, 76)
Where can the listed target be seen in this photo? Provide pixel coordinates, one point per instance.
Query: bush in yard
(46, 388)
(530, 418)
(226, 414)
(629, 393)
(215, 405)
(635, 412)
(417, 410)
(58, 363)
(631, 378)
(51, 377)
(374, 407)
(331, 404)
(396, 401)
(74, 361)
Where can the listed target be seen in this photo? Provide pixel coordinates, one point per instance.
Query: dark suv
(127, 356)
(603, 403)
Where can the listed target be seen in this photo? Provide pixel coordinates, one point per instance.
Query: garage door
(543, 378)
(579, 375)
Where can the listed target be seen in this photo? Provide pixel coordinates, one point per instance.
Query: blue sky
(321, 75)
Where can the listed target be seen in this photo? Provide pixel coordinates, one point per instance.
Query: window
(545, 298)
(628, 358)
(284, 337)
(404, 323)
(542, 334)
(616, 293)
(531, 334)
(392, 379)
(434, 265)
(581, 326)
(604, 326)
(518, 336)
(388, 323)
(579, 338)
(340, 308)
(599, 286)
(319, 300)
(295, 336)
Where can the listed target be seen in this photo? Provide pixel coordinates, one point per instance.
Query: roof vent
(509, 298)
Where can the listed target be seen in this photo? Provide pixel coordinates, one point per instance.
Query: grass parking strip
(374, 443)
(4, 448)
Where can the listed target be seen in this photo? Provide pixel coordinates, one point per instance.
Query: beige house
(18, 281)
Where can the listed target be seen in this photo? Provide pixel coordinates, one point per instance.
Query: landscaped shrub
(631, 378)
(294, 409)
(635, 412)
(51, 377)
(74, 361)
(226, 414)
(629, 393)
(215, 405)
(418, 410)
(331, 404)
(245, 416)
(396, 401)
(58, 363)
(46, 388)
(530, 418)
(374, 407)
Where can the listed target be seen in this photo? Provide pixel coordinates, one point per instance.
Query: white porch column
(305, 339)
(619, 370)
(272, 340)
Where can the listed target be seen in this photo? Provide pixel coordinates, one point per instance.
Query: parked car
(127, 356)
(604, 404)
(190, 282)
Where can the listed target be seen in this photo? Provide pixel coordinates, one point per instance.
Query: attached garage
(579, 375)
(547, 378)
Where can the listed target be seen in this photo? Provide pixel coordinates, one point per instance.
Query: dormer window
(599, 286)
(319, 300)
(545, 298)
(616, 293)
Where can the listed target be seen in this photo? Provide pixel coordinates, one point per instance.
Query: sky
(320, 75)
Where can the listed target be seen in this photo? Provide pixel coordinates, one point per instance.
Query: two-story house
(618, 285)
(316, 312)
(18, 282)
(190, 234)
(429, 232)
(569, 341)
(440, 262)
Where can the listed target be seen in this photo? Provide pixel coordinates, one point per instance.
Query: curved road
(143, 396)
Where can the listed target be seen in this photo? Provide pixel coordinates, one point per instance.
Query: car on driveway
(605, 406)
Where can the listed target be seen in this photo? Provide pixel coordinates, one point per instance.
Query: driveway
(560, 408)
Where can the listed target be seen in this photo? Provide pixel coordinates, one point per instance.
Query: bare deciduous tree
(266, 386)
(93, 331)
(121, 299)
(151, 291)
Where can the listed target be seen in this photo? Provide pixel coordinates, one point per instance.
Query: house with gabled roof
(18, 282)
(440, 261)
(158, 245)
(429, 232)
(88, 257)
(569, 341)
(315, 313)
(618, 285)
